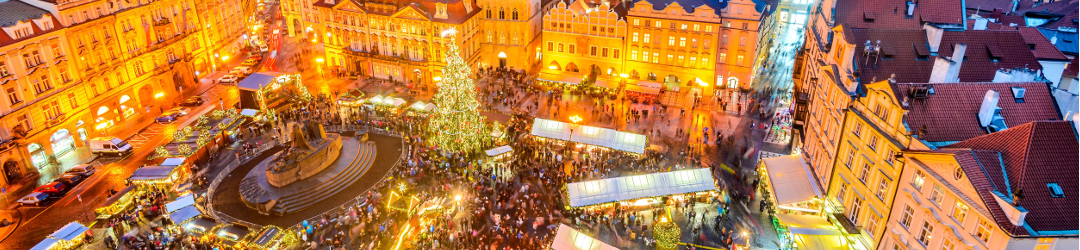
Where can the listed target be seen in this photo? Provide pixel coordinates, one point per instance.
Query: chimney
(980, 24)
(910, 8)
(989, 107)
(1015, 4)
(948, 69)
(933, 37)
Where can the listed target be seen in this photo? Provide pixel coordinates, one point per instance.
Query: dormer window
(1055, 190)
(1018, 94)
(24, 32)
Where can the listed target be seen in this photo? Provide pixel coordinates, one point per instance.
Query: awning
(187, 200)
(175, 161)
(551, 129)
(592, 135)
(639, 186)
(807, 224)
(606, 83)
(266, 235)
(199, 224)
(119, 195)
(643, 89)
(376, 99)
(152, 173)
(820, 242)
(46, 244)
(568, 238)
(429, 107)
(69, 232)
(498, 150)
(790, 179)
(183, 214)
(567, 79)
(248, 112)
(257, 81)
(629, 142)
(418, 105)
(396, 102)
(233, 231)
(497, 134)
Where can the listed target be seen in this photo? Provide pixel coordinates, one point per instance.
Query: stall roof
(183, 214)
(203, 223)
(592, 135)
(69, 232)
(791, 179)
(248, 112)
(152, 173)
(119, 195)
(46, 244)
(181, 202)
(571, 79)
(376, 99)
(258, 80)
(606, 84)
(496, 116)
(266, 235)
(551, 129)
(568, 238)
(498, 150)
(235, 230)
(175, 161)
(639, 186)
(397, 102)
(429, 107)
(418, 105)
(629, 142)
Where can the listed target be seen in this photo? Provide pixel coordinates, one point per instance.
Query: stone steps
(300, 200)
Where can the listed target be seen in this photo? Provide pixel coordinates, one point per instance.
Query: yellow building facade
(401, 41)
(511, 34)
(580, 38)
(105, 68)
(864, 177)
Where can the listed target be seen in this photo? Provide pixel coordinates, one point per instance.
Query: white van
(245, 70)
(109, 146)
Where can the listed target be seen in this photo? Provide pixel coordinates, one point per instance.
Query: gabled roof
(1042, 48)
(904, 46)
(456, 11)
(1033, 155)
(1065, 41)
(14, 11)
(951, 113)
(688, 5)
(891, 14)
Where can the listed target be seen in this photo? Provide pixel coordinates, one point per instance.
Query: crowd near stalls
(793, 200)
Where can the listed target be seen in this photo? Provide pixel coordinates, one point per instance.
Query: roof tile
(950, 114)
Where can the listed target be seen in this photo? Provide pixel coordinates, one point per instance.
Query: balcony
(162, 21)
(162, 69)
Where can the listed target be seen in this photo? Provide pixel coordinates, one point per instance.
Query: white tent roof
(396, 102)
(181, 202)
(46, 244)
(592, 135)
(183, 214)
(498, 150)
(429, 107)
(639, 186)
(791, 179)
(568, 238)
(376, 99)
(629, 142)
(551, 129)
(418, 105)
(69, 232)
(174, 161)
(248, 112)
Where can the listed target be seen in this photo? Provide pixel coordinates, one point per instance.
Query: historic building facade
(97, 68)
(511, 34)
(582, 39)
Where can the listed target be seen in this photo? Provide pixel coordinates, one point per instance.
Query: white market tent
(568, 238)
(396, 102)
(639, 186)
(618, 140)
(376, 99)
(46, 244)
(174, 161)
(248, 112)
(498, 150)
(551, 129)
(69, 232)
(790, 179)
(418, 105)
(187, 200)
(183, 214)
(152, 173)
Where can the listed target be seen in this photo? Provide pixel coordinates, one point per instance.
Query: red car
(53, 188)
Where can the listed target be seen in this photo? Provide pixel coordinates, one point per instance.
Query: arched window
(514, 14)
(554, 65)
(733, 82)
(502, 14)
(489, 13)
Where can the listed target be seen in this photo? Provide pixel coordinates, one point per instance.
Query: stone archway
(12, 170)
(146, 95)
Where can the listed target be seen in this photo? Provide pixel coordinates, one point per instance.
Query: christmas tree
(456, 125)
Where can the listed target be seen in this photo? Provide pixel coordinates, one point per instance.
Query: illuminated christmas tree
(456, 124)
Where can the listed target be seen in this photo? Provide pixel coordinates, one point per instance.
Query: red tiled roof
(1043, 49)
(455, 9)
(905, 64)
(1071, 70)
(891, 14)
(950, 114)
(1035, 154)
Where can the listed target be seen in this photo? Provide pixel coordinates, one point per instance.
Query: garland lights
(666, 232)
(457, 124)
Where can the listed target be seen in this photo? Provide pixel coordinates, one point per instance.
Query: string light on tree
(457, 124)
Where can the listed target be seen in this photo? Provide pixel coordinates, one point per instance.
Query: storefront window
(62, 142)
(37, 155)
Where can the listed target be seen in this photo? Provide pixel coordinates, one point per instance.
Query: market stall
(187, 200)
(158, 175)
(198, 226)
(47, 244)
(272, 237)
(589, 135)
(567, 238)
(551, 129)
(184, 214)
(643, 91)
(498, 152)
(69, 236)
(119, 202)
(585, 193)
(232, 235)
(793, 197)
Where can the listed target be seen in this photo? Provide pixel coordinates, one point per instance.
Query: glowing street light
(575, 119)
(319, 60)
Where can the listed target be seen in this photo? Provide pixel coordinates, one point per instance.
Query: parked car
(35, 199)
(85, 170)
(242, 70)
(53, 188)
(263, 48)
(70, 180)
(109, 145)
(255, 57)
(172, 115)
(228, 78)
(194, 101)
(249, 62)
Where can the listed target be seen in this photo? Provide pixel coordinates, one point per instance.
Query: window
(13, 96)
(682, 42)
(636, 22)
(603, 52)
(3, 69)
(657, 24)
(489, 17)
(655, 57)
(51, 110)
(856, 207)
(883, 187)
(634, 37)
(871, 225)
(683, 26)
(723, 57)
(948, 244)
(905, 219)
(551, 46)
(742, 41)
(1045, 244)
(646, 37)
(864, 173)
(514, 15)
(739, 60)
(708, 28)
(1055, 190)
(890, 156)
(633, 55)
(872, 144)
(645, 56)
(573, 48)
(72, 101)
(42, 84)
(670, 59)
(502, 14)
(55, 50)
(723, 39)
(615, 53)
(841, 191)
(927, 232)
(918, 180)
(857, 130)
(693, 61)
(937, 195)
(671, 41)
(560, 47)
(21, 33)
(983, 232)
(697, 27)
(960, 212)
